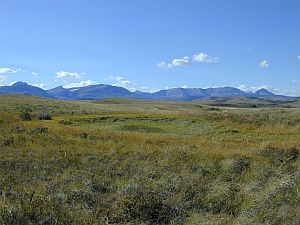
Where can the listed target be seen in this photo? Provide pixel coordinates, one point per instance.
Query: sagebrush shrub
(9, 141)
(40, 130)
(25, 116)
(44, 116)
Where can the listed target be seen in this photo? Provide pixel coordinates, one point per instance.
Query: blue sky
(150, 44)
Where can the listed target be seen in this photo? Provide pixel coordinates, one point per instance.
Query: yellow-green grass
(142, 162)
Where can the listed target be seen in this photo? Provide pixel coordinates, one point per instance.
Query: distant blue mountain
(103, 91)
(25, 89)
(99, 91)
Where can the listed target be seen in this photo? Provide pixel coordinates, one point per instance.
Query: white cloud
(247, 88)
(68, 75)
(121, 82)
(11, 83)
(202, 57)
(165, 65)
(117, 78)
(40, 85)
(264, 64)
(6, 70)
(34, 74)
(184, 61)
(83, 83)
(168, 88)
(2, 78)
(293, 91)
(184, 86)
(148, 89)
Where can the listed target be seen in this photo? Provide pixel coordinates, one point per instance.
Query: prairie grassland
(138, 162)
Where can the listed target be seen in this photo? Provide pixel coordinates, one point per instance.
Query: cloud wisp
(120, 81)
(202, 57)
(165, 65)
(2, 78)
(264, 64)
(83, 83)
(6, 70)
(131, 86)
(40, 85)
(293, 91)
(148, 89)
(186, 61)
(67, 75)
(247, 88)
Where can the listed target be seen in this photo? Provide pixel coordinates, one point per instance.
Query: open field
(122, 161)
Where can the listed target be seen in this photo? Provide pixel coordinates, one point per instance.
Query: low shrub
(86, 136)
(18, 129)
(40, 130)
(83, 135)
(65, 122)
(279, 155)
(35, 209)
(9, 141)
(151, 202)
(25, 116)
(223, 198)
(44, 116)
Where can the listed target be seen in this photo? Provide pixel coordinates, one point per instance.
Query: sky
(149, 45)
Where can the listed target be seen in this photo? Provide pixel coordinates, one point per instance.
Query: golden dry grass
(139, 162)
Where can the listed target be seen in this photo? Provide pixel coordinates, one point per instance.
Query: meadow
(121, 161)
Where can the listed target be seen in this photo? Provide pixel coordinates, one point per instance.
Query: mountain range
(103, 91)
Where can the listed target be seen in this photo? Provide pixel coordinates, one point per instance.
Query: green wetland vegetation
(121, 161)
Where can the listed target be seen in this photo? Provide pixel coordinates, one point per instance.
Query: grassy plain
(121, 161)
